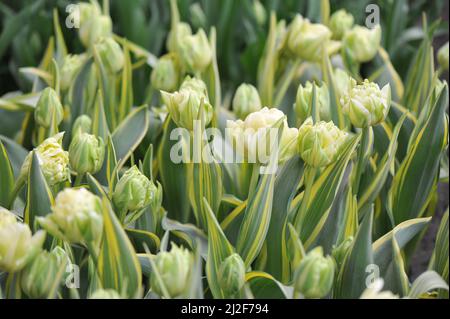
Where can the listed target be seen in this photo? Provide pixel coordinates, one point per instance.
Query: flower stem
(362, 159)
(310, 174)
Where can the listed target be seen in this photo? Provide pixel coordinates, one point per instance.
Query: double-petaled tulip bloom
(71, 65)
(174, 271)
(246, 100)
(366, 104)
(443, 57)
(17, 245)
(195, 52)
(362, 43)
(53, 160)
(76, 217)
(253, 139)
(315, 275)
(184, 105)
(307, 40)
(319, 144)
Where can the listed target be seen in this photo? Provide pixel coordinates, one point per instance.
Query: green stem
(362, 159)
(285, 81)
(310, 174)
(78, 180)
(17, 187)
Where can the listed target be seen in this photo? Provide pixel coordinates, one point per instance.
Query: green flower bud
(17, 245)
(184, 105)
(246, 100)
(94, 28)
(174, 270)
(54, 161)
(307, 40)
(134, 191)
(48, 109)
(260, 12)
(195, 84)
(304, 99)
(88, 10)
(361, 43)
(110, 54)
(38, 276)
(195, 52)
(82, 124)
(250, 136)
(340, 22)
(443, 56)
(232, 274)
(105, 294)
(71, 66)
(340, 251)
(165, 75)
(319, 144)
(86, 153)
(365, 104)
(315, 275)
(76, 217)
(174, 38)
(343, 82)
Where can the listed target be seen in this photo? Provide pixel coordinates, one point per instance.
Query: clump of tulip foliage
(90, 182)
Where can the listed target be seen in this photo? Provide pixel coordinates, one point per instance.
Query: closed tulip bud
(184, 105)
(165, 75)
(53, 160)
(340, 251)
(304, 99)
(232, 275)
(48, 109)
(362, 43)
(174, 269)
(443, 57)
(86, 153)
(366, 104)
(95, 28)
(195, 52)
(343, 82)
(83, 124)
(17, 245)
(76, 217)
(315, 274)
(71, 66)
(38, 276)
(307, 40)
(319, 144)
(195, 84)
(110, 54)
(246, 100)
(253, 139)
(134, 191)
(340, 22)
(174, 38)
(260, 12)
(105, 294)
(88, 10)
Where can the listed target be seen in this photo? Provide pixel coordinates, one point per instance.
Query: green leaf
(286, 185)
(428, 281)
(39, 195)
(143, 240)
(16, 154)
(118, 265)
(129, 134)
(6, 177)
(413, 183)
(404, 232)
(264, 286)
(126, 93)
(439, 261)
(351, 281)
(396, 279)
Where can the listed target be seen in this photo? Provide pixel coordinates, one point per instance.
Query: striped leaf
(413, 183)
(265, 286)
(439, 261)
(426, 282)
(118, 265)
(6, 177)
